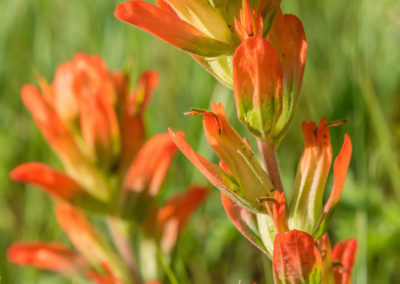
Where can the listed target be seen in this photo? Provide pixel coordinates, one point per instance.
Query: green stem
(170, 274)
(269, 155)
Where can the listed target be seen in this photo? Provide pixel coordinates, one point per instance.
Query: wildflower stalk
(121, 240)
(268, 151)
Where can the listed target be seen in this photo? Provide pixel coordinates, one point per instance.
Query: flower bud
(288, 38)
(257, 83)
(296, 259)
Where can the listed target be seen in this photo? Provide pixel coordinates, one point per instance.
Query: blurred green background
(352, 71)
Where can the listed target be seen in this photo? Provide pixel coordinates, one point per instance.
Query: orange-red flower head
(201, 28)
(267, 73)
(246, 180)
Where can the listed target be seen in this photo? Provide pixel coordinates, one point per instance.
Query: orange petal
(212, 172)
(162, 4)
(312, 173)
(133, 129)
(345, 253)
(182, 206)
(174, 215)
(279, 211)
(49, 256)
(53, 182)
(169, 28)
(251, 178)
(151, 165)
(55, 132)
(64, 98)
(244, 221)
(257, 84)
(96, 93)
(84, 235)
(288, 38)
(99, 126)
(340, 168)
(204, 17)
(296, 259)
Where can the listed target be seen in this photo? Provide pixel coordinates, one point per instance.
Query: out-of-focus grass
(352, 72)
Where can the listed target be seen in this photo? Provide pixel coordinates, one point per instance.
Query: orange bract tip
(172, 217)
(340, 168)
(50, 256)
(54, 182)
(148, 170)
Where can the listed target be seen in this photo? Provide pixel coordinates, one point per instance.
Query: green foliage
(352, 71)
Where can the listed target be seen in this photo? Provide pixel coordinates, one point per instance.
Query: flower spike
(202, 28)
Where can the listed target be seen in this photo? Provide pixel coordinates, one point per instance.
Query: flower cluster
(260, 52)
(96, 126)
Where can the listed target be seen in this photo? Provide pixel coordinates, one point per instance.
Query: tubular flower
(202, 28)
(241, 177)
(306, 211)
(110, 169)
(267, 74)
(93, 123)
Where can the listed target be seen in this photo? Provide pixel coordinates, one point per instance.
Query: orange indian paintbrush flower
(200, 27)
(92, 122)
(167, 223)
(99, 135)
(267, 73)
(241, 177)
(306, 212)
